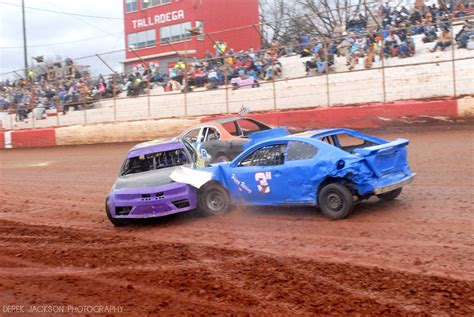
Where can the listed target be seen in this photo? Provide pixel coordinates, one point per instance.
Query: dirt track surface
(412, 256)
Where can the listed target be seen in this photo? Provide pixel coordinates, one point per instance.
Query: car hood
(147, 179)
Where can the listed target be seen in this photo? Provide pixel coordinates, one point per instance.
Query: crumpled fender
(198, 177)
(356, 171)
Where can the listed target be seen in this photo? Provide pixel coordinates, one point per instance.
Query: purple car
(144, 188)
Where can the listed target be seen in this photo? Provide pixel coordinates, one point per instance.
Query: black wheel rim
(335, 201)
(215, 201)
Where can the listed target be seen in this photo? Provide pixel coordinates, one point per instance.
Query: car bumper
(173, 198)
(388, 188)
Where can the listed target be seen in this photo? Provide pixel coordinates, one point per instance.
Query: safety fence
(447, 73)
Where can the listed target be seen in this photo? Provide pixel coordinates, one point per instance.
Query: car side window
(212, 135)
(270, 155)
(192, 136)
(328, 139)
(300, 151)
(231, 127)
(348, 142)
(248, 127)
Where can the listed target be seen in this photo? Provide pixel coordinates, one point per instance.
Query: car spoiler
(260, 136)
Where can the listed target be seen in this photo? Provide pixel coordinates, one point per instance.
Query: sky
(56, 35)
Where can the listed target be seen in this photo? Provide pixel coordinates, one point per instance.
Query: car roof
(231, 119)
(227, 120)
(317, 133)
(165, 142)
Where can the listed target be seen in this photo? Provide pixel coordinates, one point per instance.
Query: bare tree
(285, 19)
(272, 15)
(327, 14)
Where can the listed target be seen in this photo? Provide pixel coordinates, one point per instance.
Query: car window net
(266, 156)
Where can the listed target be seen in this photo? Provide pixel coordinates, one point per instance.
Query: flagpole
(25, 53)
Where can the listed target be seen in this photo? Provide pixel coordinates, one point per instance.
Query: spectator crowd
(391, 35)
(358, 42)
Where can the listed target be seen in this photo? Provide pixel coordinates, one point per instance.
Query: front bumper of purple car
(150, 202)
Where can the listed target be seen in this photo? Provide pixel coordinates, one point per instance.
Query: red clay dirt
(412, 256)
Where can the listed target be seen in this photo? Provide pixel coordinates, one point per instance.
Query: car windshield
(154, 161)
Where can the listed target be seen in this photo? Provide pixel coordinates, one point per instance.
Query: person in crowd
(243, 81)
(315, 64)
(445, 40)
(39, 112)
(220, 47)
(4, 104)
(463, 36)
(407, 47)
(392, 44)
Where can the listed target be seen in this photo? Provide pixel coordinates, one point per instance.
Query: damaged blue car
(331, 168)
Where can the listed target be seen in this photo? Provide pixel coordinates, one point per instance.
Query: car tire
(213, 200)
(335, 201)
(221, 158)
(391, 195)
(115, 221)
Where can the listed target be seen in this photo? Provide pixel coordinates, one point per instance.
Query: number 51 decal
(262, 178)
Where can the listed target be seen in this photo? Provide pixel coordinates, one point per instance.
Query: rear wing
(382, 148)
(260, 136)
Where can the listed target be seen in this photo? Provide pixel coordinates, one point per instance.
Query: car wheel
(335, 201)
(116, 222)
(221, 158)
(391, 195)
(213, 200)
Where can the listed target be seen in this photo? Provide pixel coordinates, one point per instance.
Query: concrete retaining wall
(357, 116)
(366, 116)
(96, 134)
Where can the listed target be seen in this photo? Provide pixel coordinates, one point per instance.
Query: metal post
(454, 62)
(185, 87)
(32, 104)
(185, 103)
(382, 58)
(113, 83)
(57, 116)
(114, 96)
(273, 84)
(25, 50)
(85, 112)
(148, 101)
(184, 76)
(11, 121)
(327, 72)
(226, 79)
(226, 82)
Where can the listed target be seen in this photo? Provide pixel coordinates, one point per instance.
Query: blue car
(331, 168)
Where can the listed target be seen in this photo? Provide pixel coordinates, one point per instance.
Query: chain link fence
(283, 83)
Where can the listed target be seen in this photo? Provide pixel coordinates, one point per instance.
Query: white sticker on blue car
(262, 178)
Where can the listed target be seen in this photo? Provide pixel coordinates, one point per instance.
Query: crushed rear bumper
(388, 188)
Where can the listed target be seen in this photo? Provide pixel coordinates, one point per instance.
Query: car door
(258, 179)
(302, 170)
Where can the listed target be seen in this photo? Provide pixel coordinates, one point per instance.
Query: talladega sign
(158, 19)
